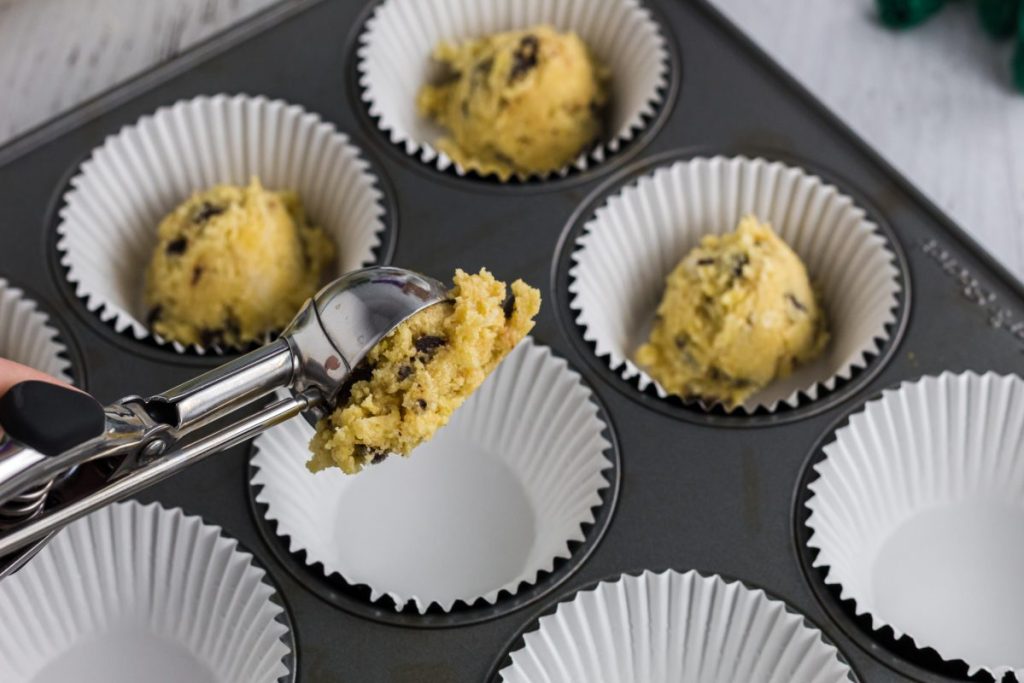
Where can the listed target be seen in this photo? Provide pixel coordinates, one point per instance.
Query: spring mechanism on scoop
(24, 506)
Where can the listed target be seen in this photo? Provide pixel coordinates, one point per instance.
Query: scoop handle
(50, 418)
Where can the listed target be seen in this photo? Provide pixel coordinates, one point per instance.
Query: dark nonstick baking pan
(712, 491)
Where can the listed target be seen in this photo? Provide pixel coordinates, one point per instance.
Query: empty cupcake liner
(491, 501)
(27, 337)
(674, 628)
(639, 235)
(918, 514)
(138, 588)
(110, 215)
(395, 61)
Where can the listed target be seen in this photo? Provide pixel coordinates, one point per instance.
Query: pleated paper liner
(394, 62)
(139, 592)
(494, 499)
(108, 222)
(674, 627)
(638, 236)
(27, 337)
(917, 516)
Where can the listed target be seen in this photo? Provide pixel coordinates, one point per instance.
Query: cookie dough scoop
(49, 478)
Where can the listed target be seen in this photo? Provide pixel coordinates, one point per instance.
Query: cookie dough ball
(233, 264)
(414, 379)
(517, 103)
(737, 313)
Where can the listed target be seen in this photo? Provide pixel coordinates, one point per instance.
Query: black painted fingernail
(50, 418)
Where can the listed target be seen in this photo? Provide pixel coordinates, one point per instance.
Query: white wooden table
(935, 101)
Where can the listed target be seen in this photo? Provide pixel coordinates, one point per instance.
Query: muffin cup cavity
(494, 499)
(674, 626)
(109, 218)
(639, 234)
(397, 43)
(27, 337)
(917, 512)
(134, 588)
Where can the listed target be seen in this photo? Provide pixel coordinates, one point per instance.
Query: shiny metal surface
(225, 388)
(146, 439)
(335, 331)
(171, 463)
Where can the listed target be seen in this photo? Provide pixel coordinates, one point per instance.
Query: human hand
(12, 373)
(66, 402)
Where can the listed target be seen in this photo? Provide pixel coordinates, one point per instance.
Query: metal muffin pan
(694, 490)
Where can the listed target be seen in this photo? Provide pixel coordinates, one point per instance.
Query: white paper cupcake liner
(139, 592)
(108, 223)
(399, 39)
(674, 628)
(919, 516)
(27, 337)
(491, 501)
(640, 234)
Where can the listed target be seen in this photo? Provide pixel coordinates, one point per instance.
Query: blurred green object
(1018, 52)
(905, 13)
(999, 17)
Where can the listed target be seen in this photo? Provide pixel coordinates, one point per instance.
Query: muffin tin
(691, 489)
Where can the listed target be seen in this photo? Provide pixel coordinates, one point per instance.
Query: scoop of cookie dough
(233, 264)
(738, 312)
(516, 103)
(414, 379)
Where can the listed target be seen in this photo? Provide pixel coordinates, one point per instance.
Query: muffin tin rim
(628, 176)
(645, 134)
(552, 602)
(335, 590)
(902, 655)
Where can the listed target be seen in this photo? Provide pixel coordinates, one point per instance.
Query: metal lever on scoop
(136, 442)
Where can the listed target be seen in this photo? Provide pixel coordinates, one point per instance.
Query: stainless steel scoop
(136, 442)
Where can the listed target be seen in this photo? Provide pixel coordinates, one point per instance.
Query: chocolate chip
(705, 262)
(404, 372)
(210, 337)
(361, 373)
(154, 315)
(178, 246)
(206, 211)
(446, 75)
(524, 58)
(374, 455)
(422, 404)
(509, 305)
(482, 69)
(232, 327)
(715, 374)
(428, 345)
(682, 340)
(503, 159)
(197, 272)
(738, 263)
(796, 303)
